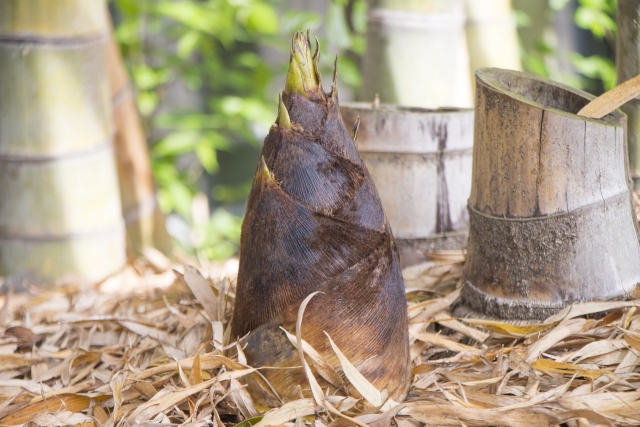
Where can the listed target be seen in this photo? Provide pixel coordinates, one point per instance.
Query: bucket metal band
(54, 42)
(118, 229)
(49, 158)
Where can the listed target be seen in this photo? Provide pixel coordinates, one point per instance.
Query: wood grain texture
(60, 211)
(612, 99)
(420, 161)
(550, 207)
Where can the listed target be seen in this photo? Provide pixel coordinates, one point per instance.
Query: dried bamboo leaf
(507, 329)
(69, 402)
(561, 331)
(364, 387)
(444, 318)
(318, 396)
(242, 399)
(325, 370)
(548, 365)
(445, 415)
(443, 342)
(202, 291)
(287, 412)
(583, 309)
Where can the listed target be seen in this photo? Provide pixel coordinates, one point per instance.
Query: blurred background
(207, 74)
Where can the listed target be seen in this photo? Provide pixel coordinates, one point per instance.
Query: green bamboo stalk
(60, 211)
(628, 66)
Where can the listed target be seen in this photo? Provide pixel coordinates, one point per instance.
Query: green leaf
(262, 19)
(206, 153)
(147, 102)
(336, 24)
(188, 43)
(596, 67)
(176, 143)
(192, 14)
(558, 5)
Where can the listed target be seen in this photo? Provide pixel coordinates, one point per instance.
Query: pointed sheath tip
(303, 76)
(263, 171)
(283, 121)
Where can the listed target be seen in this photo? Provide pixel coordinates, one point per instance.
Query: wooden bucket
(628, 66)
(60, 209)
(551, 215)
(417, 54)
(420, 161)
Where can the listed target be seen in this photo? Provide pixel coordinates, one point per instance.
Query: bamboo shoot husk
(60, 210)
(314, 222)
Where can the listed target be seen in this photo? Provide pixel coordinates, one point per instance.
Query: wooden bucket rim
(405, 110)
(494, 78)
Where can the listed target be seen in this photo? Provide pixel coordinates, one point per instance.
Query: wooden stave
(414, 221)
(493, 284)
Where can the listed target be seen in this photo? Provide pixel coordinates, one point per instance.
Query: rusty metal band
(43, 158)
(117, 230)
(61, 42)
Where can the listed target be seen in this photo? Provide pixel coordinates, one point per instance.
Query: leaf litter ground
(146, 348)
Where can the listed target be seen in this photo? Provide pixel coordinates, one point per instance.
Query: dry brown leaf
(443, 342)
(561, 331)
(364, 387)
(548, 365)
(202, 291)
(318, 395)
(287, 412)
(323, 368)
(69, 402)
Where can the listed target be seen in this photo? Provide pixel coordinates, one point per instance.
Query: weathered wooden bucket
(59, 204)
(551, 215)
(420, 161)
(417, 54)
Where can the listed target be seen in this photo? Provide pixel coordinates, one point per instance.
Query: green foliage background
(206, 90)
